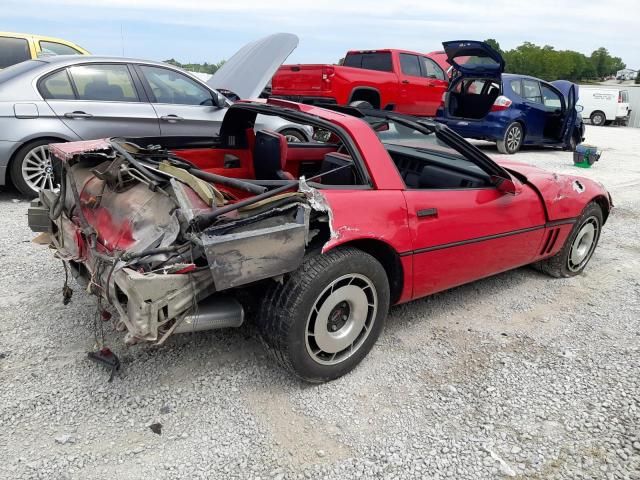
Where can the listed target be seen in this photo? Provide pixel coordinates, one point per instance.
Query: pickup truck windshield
(380, 61)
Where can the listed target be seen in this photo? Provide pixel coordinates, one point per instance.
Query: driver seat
(270, 156)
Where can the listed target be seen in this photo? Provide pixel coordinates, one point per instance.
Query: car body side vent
(550, 242)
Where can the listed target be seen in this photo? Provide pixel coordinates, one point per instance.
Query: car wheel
(512, 140)
(293, 136)
(322, 320)
(598, 118)
(32, 169)
(579, 246)
(361, 104)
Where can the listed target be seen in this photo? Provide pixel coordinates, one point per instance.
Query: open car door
(474, 59)
(570, 92)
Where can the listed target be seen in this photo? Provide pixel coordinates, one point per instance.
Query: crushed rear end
(167, 249)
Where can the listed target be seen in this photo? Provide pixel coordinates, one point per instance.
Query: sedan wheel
(32, 168)
(37, 169)
(598, 119)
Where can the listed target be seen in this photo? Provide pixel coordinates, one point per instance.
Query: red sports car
(312, 241)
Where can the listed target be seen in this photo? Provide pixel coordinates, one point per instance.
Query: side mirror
(219, 100)
(579, 108)
(509, 186)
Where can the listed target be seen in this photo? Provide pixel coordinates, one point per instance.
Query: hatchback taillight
(501, 103)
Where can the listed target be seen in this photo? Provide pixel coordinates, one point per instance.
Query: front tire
(578, 249)
(32, 169)
(322, 320)
(512, 140)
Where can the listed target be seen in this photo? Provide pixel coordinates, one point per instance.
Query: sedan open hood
(473, 58)
(249, 70)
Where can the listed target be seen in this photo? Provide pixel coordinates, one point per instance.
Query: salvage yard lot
(516, 375)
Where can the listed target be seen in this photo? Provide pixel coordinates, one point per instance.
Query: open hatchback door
(473, 58)
(249, 70)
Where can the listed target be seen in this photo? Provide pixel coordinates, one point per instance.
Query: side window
(516, 87)
(172, 87)
(56, 86)
(431, 69)
(55, 48)
(109, 83)
(551, 99)
(410, 65)
(13, 50)
(380, 61)
(531, 91)
(624, 96)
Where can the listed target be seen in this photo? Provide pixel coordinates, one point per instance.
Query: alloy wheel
(583, 244)
(37, 169)
(341, 319)
(514, 137)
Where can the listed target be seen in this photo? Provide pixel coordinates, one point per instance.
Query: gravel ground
(517, 375)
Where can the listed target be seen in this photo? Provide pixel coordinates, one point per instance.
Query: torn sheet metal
(66, 151)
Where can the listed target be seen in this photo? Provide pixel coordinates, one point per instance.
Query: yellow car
(18, 47)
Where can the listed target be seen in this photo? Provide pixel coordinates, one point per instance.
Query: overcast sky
(194, 31)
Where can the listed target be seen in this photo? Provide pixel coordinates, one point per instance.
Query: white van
(604, 105)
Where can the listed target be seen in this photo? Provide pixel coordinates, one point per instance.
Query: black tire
(16, 172)
(512, 140)
(293, 136)
(361, 104)
(561, 265)
(291, 309)
(598, 118)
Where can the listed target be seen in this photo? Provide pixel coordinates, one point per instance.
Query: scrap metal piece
(107, 358)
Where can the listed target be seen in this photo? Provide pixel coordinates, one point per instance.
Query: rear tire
(578, 249)
(322, 320)
(32, 168)
(512, 140)
(598, 118)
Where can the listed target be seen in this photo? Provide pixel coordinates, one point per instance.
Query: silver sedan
(68, 98)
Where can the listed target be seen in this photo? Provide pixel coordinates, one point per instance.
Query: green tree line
(550, 64)
(205, 67)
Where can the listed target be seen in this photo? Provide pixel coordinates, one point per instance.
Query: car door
(463, 234)
(534, 110)
(98, 100)
(184, 106)
(436, 85)
(414, 88)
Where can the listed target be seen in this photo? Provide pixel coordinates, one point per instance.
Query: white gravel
(518, 375)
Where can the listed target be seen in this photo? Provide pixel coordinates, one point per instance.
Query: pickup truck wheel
(361, 104)
(326, 316)
(579, 246)
(512, 139)
(598, 118)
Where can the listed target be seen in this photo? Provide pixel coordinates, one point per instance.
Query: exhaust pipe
(216, 311)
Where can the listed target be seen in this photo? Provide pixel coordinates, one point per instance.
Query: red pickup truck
(407, 82)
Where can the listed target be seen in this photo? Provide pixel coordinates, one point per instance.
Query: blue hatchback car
(485, 103)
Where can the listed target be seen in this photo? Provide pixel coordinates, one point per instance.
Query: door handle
(171, 118)
(78, 114)
(427, 212)
(405, 81)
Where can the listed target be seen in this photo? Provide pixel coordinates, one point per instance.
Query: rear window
(111, 83)
(57, 86)
(410, 65)
(380, 61)
(55, 48)
(13, 50)
(624, 96)
(531, 91)
(516, 87)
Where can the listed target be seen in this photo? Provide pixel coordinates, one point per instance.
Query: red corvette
(312, 241)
